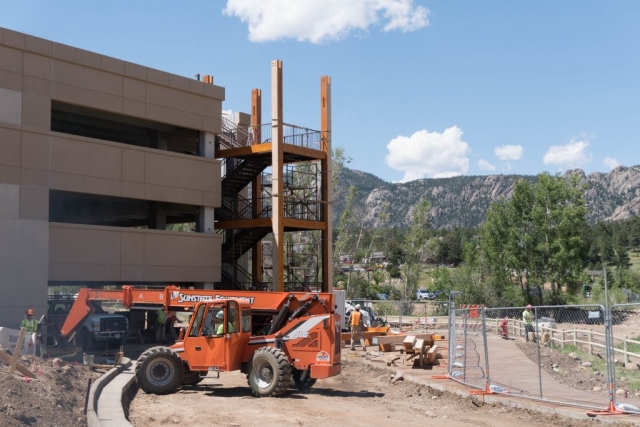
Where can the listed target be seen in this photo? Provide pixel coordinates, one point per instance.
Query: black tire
(85, 340)
(159, 371)
(192, 377)
(302, 379)
(270, 372)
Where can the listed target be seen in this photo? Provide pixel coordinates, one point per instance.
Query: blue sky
(419, 88)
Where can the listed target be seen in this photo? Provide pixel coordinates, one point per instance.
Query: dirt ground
(361, 396)
(55, 398)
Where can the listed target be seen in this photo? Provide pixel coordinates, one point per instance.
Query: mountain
(463, 201)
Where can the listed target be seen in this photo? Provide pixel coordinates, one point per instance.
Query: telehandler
(273, 337)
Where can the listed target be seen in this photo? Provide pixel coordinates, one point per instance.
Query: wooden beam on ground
(8, 360)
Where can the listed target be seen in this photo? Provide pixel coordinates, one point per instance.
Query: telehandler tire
(159, 371)
(270, 372)
(302, 379)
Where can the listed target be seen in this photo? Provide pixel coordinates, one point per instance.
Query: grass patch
(597, 364)
(631, 378)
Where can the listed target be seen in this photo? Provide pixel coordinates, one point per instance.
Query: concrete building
(99, 157)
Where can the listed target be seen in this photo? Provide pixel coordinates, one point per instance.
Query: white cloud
(429, 154)
(319, 21)
(485, 166)
(570, 155)
(610, 162)
(509, 152)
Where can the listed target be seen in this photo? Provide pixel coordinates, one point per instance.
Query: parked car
(423, 295)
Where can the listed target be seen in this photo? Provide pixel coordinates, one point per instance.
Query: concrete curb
(96, 390)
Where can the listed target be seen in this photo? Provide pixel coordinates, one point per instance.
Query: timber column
(327, 184)
(256, 184)
(277, 186)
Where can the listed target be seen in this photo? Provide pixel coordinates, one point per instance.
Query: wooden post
(563, 338)
(326, 184)
(16, 353)
(626, 355)
(590, 345)
(575, 337)
(277, 177)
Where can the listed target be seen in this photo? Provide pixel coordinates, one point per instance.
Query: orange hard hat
(30, 311)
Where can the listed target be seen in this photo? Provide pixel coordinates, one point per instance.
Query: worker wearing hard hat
(219, 320)
(29, 323)
(356, 322)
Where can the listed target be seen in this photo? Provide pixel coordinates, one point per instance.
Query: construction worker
(356, 322)
(219, 320)
(161, 325)
(29, 322)
(170, 322)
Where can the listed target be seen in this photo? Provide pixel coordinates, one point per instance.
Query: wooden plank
(419, 348)
(7, 359)
(387, 347)
(408, 342)
(432, 353)
(398, 339)
(16, 353)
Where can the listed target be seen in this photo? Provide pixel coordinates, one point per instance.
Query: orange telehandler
(273, 337)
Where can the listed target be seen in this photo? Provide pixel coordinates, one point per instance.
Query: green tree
(534, 239)
(415, 240)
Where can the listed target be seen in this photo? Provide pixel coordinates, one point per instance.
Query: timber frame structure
(276, 179)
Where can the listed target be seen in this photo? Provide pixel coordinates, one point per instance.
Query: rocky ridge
(464, 200)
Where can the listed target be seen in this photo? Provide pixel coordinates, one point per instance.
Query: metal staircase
(237, 242)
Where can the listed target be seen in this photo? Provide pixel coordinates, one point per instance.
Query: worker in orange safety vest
(356, 322)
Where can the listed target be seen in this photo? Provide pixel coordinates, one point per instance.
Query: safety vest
(355, 318)
(220, 329)
(162, 316)
(30, 325)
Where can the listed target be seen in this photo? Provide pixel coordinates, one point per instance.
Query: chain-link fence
(549, 353)
(467, 349)
(625, 331)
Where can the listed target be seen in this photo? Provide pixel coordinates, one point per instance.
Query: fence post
(575, 337)
(563, 338)
(486, 347)
(626, 355)
(590, 345)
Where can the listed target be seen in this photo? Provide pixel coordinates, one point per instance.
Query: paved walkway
(513, 370)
